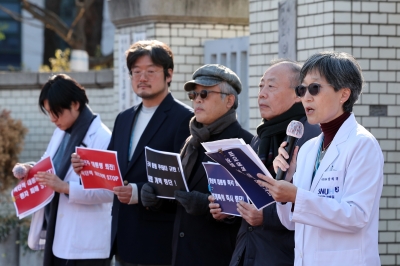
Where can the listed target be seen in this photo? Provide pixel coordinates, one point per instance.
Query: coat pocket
(350, 257)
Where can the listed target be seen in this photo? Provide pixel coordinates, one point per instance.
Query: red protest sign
(29, 196)
(100, 170)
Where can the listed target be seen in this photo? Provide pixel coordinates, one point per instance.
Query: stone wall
(370, 31)
(184, 25)
(187, 43)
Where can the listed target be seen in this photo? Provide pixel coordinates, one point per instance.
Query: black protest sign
(164, 171)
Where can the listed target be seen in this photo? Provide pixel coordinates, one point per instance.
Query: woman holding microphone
(333, 202)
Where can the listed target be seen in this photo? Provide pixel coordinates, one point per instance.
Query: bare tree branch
(74, 35)
(18, 17)
(53, 22)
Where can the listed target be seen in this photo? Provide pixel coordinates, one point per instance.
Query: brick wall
(370, 31)
(19, 93)
(187, 43)
(263, 48)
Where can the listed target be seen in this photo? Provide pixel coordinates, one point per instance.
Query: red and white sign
(100, 170)
(29, 196)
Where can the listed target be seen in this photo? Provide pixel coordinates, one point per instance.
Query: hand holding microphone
(294, 131)
(284, 191)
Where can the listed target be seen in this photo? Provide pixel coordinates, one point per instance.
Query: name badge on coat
(331, 185)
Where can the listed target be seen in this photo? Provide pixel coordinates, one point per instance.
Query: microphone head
(295, 129)
(19, 171)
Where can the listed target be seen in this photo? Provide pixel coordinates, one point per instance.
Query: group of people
(326, 211)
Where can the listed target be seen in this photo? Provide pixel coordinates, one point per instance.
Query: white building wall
(107, 40)
(32, 34)
(370, 31)
(187, 44)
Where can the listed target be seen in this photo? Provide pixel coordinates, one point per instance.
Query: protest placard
(29, 196)
(164, 171)
(226, 191)
(243, 164)
(100, 170)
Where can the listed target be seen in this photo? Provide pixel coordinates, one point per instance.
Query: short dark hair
(294, 67)
(340, 69)
(61, 91)
(159, 52)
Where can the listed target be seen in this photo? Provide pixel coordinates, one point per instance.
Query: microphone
(294, 131)
(19, 171)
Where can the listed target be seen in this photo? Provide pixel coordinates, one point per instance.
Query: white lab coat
(341, 230)
(83, 226)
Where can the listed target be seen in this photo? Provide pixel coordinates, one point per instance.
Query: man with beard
(140, 236)
(262, 239)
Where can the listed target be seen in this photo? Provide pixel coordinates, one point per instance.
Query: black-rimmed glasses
(203, 94)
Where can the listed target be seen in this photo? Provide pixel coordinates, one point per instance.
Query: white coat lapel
(331, 155)
(311, 155)
(333, 151)
(87, 140)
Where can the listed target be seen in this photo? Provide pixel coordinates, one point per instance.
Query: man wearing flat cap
(198, 238)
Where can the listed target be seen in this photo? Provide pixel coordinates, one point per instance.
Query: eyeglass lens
(148, 74)
(313, 89)
(193, 95)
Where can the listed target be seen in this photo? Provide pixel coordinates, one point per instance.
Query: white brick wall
(187, 42)
(369, 30)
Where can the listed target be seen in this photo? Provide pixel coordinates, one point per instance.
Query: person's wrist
(294, 195)
(66, 188)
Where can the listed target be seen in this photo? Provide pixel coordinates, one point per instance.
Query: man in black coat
(198, 239)
(262, 239)
(140, 236)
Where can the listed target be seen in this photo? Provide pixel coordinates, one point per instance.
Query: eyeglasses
(136, 74)
(313, 89)
(203, 94)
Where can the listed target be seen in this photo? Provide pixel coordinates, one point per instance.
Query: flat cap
(211, 75)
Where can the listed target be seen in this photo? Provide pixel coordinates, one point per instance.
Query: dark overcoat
(201, 240)
(138, 235)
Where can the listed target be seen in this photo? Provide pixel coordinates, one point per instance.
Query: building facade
(370, 30)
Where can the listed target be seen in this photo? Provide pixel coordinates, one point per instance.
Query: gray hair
(227, 88)
(293, 66)
(340, 69)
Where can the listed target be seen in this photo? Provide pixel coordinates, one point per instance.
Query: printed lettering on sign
(100, 170)
(164, 169)
(29, 196)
